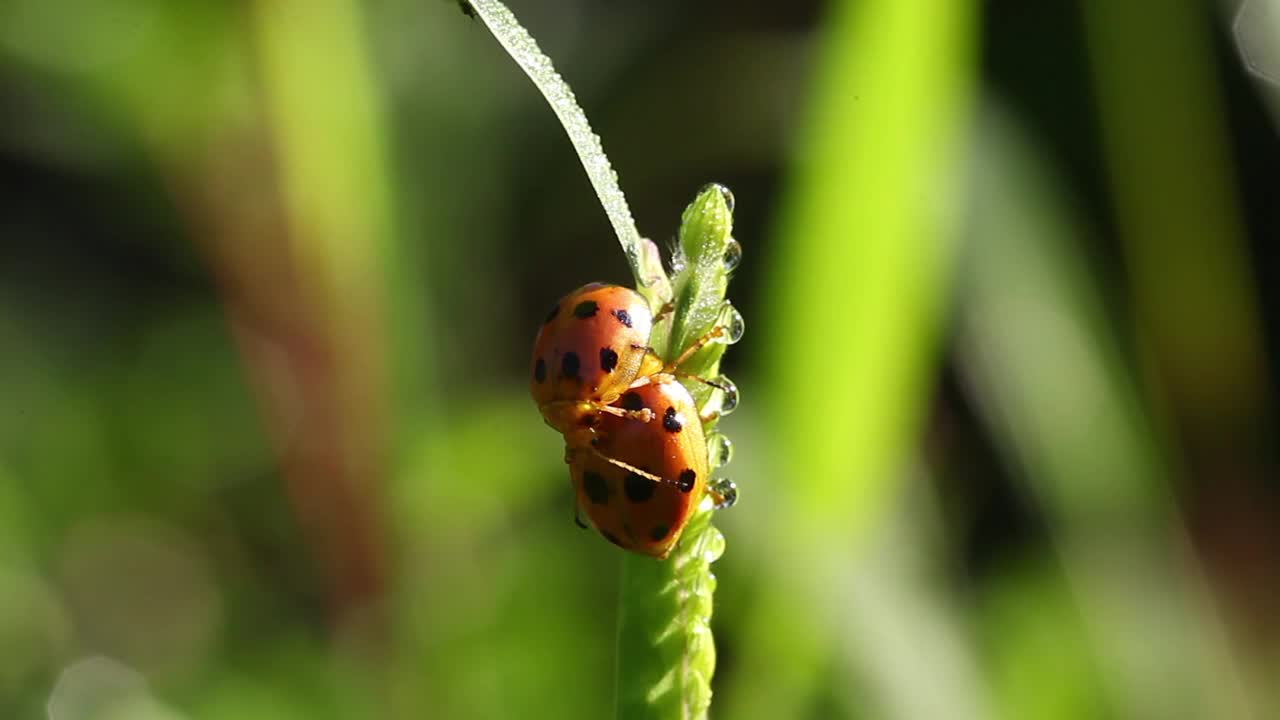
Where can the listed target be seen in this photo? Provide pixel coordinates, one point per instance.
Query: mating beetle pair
(634, 441)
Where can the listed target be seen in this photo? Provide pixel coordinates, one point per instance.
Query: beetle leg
(643, 415)
(664, 311)
(632, 468)
(716, 333)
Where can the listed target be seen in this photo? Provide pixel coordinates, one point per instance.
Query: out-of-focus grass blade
(163, 74)
(861, 265)
(903, 624)
(1040, 660)
(326, 123)
(323, 107)
(1037, 351)
(1176, 209)
(855, 292)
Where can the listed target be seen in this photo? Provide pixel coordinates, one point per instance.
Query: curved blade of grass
(522, 48)
(666, 655)
(1168, 154)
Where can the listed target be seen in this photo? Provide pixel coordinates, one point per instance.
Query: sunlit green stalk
(666, 655)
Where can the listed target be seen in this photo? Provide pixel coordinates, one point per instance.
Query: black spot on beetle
(555, 310)
(585, 309)
(608, 359)
(540, 370)
(595, 488)
(659, 533)
(687, 479)
(632, 401)
(611, 537)
(670, 422)
(638, 488)
(623, 316)
(570, 365)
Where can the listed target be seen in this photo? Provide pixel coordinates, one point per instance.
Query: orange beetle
(633, 434)
(593, 345)
(640, 482)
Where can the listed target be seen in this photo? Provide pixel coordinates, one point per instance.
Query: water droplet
(728, 396)
(732, 320)
(712, 545)
(732, 255)
(727, 491)
(724, 193)
(719, 450)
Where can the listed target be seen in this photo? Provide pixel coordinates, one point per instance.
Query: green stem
(666, 654)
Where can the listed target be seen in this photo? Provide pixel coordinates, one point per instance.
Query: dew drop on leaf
(732, 320)
(724, 193)
(712, 545)
(732, 255)
(729, 394)
(719, 450)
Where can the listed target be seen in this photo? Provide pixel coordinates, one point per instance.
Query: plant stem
(666, 654)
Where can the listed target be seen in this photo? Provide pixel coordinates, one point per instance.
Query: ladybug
(593, 345)
(639, 483)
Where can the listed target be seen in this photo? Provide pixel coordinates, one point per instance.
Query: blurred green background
(270, 271)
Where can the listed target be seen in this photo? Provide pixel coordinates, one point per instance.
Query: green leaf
(699, 286)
